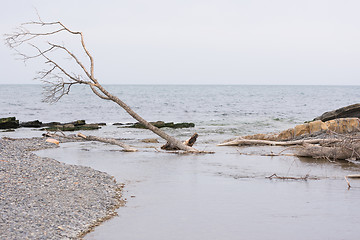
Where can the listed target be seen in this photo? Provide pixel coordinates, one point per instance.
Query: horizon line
(195, 84)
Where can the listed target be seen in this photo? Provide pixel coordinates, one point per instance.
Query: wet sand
(222, 196)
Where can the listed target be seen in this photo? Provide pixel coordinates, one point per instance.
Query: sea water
(226, 195)
(220, 109)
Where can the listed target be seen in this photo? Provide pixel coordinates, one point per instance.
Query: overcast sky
(202, 42)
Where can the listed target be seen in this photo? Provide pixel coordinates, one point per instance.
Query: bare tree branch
(59, 79)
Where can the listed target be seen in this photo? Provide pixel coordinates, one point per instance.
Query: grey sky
(203, 42)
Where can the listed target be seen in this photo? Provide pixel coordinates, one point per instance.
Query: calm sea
(225, 195)
(231, 110)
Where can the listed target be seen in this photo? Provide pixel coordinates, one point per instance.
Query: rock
(72, 127)
(301, 129)
(88, 127)
(344, 125)
(32, 124)
(68, 127)
(341, 125)
(77, 123)
(344, 112)
(150, 140)
(161, 124)
(10, 122)
(317, 126)
(51, 124)
(286, 135)
(122, 124)
(182, 125)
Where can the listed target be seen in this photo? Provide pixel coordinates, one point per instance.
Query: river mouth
(226, 195)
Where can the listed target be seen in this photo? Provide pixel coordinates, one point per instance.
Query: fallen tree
(43, 38)
(242, 142)
(329, 146)
(350, 152)
(126, 147)
(83, 137)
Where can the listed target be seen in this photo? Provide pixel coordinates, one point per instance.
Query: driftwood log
(112, 141)
(338, 147)
(81, 136)
(242, 142)
(190, 142)
(350, 152)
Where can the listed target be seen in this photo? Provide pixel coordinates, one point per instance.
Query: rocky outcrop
(7, 123)
(31, 124)
(341, 125)
(72, 127)
(344, 112)
(161, 124)
(11, 122)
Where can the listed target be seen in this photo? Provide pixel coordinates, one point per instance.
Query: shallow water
(233, 110)
(222, 196)
(226, 195)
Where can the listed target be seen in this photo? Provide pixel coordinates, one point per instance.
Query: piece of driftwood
(81, 136)
(333, 152)
(190, 142)
(353, 176)
(242, 142)
(112, 141)
(306, 177)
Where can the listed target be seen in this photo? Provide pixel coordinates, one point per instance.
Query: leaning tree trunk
(61, 79)
(171, 140)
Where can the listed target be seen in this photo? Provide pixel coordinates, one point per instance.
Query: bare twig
(347, 181)
(306, 177)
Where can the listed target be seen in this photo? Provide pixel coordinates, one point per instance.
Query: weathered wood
(336, 153)
(112, 141)
(242, 141)
(81, 136)
(190, 142)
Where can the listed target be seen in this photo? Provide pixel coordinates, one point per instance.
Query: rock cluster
(344, 112)
(341, 125)
(161, 124)
(7, 123)
(11, 123)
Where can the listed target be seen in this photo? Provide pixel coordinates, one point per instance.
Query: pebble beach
(41, 198)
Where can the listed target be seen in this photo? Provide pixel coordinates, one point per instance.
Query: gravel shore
(41, 198)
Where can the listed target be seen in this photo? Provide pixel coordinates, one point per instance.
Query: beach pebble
(41, 198)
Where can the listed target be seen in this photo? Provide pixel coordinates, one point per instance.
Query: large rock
(76, 123)
(344, 125)
(344, 112)
(31, 124)
(302, 129)
(317, 126)
(72, 127)
(161, 124)
(286, 135)
(341, 125)
(7, 123)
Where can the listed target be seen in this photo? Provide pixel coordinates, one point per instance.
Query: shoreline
(42, 198)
